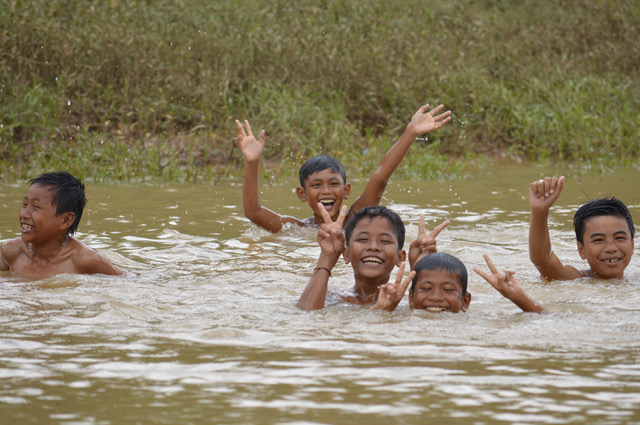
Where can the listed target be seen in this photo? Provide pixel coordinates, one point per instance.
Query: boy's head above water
(64, 192)
(374, 237)
(323, 179)
(605, 235)
(440, 284)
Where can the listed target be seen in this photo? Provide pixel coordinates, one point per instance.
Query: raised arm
(391, 294)
(509, 287)
(422, 122)
(331, 241)
(252, 151)
(425, 243)
(542, 195)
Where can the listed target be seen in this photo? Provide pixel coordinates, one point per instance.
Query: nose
(611, 246)
(24, 212)
(437, 294)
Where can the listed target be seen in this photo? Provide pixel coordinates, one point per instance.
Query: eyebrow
(619, 232)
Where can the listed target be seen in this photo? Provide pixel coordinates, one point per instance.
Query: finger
(249, 132)
(421, 228)
(241, 131)
(324, 213)
(400, 273)
(435, 232)
(436, 109)
(262, 137)
(547, 185)
(484, 274)
(343, 214)
(442, 116)
(424, 108)
(492, 267)
(407, 281)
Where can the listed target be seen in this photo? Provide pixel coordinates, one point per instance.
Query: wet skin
(437, 291)
(607, 246)
(328, 188)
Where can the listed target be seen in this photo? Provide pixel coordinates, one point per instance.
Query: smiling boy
(374, 238)
(604, 233)
(49, 216)
(323, 179)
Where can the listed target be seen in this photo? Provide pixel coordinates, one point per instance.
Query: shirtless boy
(50, 214)
(323, 182)
(604, 233)
(374, 237)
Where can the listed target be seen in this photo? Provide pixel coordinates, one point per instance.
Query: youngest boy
(439, 282)
(50, 214)
(604, 232)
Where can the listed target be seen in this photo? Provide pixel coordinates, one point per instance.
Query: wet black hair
(598, 207)
(69, 194)
(442, 261)
(321, 163)
(376, 211)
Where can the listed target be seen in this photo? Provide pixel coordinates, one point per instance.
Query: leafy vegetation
(127, 90)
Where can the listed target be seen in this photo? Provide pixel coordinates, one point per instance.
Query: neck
(367, 289)
(49, 251)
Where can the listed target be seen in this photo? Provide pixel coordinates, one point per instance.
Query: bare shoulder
(89, 261)
(11, 250)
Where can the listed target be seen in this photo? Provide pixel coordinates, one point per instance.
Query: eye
(361, 240)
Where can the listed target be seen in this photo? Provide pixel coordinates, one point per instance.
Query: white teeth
(26, 227)
(435, 309)
(327, 201)
(611, 260)
(372, 260)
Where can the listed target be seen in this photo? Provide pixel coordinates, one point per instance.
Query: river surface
(207, 330)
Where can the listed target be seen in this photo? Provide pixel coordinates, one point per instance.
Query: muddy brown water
(207, 331)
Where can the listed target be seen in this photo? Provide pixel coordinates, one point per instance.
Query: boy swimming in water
(374, 238)
(439, 281)
(49, 216)
(323, 181)
(604, 233)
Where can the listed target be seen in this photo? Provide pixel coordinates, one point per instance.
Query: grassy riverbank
(122, 90)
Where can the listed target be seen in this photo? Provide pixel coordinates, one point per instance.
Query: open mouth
(432, 309)
(328, 203)
(612, 260)
(372, 260)
(25, 227)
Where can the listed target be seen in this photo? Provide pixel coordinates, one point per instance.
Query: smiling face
(607, 246)
(326, 187)
(38, 220)
(437, 291)
(373, 250)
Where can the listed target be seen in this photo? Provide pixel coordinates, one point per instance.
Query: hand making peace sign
(425, 243)
(391, 293)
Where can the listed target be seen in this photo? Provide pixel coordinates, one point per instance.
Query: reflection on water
(207, 331)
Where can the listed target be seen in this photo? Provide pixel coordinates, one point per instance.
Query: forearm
(314, 294)
(250, 197)
(526, 303)
(539, 239)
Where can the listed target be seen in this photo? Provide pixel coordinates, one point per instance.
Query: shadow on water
(207, 330)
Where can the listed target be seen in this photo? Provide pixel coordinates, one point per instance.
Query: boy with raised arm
(439, 282)
(323, 179)
(49, 216)
(604, 233)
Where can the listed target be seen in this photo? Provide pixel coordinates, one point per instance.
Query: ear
(466, 300)
(581, 250)
(402, 256)
(345, 254)
(302, 194)
(411, 300)
(347, 190)
(67, 220)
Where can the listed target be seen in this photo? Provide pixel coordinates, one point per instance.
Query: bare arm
(252, 151)
(510, 288)
(4, 265)
(422, 122)
(89, 261)
(331, 240)
(542, 195)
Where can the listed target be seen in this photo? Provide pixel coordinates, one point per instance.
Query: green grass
(129, 90)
